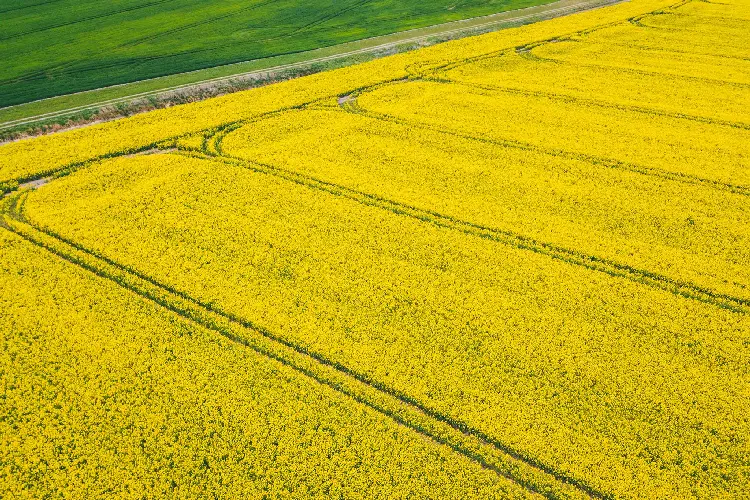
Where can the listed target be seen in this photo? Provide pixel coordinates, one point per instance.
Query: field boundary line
(676, 287)
(472, 443)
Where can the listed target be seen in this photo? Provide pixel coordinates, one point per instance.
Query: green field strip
(471, 443)
(56, 108)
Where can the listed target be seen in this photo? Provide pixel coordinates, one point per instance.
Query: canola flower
(106, 395)
(610, 86)
(582, 51)
(709, 41)
(521, 256)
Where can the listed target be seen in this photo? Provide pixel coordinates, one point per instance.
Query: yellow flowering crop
(678, 229)
(511, 265)
(664, 146)
(607, 86)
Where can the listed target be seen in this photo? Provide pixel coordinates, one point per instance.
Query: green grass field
(58, 47)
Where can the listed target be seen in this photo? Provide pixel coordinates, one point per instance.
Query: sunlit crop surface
(515, 265)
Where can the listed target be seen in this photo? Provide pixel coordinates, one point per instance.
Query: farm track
(450, 30)
(654, 280)
(445, 430)
(353, 107)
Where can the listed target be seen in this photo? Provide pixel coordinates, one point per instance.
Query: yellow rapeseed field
(514, 265)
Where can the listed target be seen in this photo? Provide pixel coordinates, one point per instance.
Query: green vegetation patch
(63, 46)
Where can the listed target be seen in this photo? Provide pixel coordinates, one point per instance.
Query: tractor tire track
(318, 22)
(676, 287)
(353, 107)
(594, 102)
(22, 7)
(469, 442)
(156, 36)
(528, 52)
